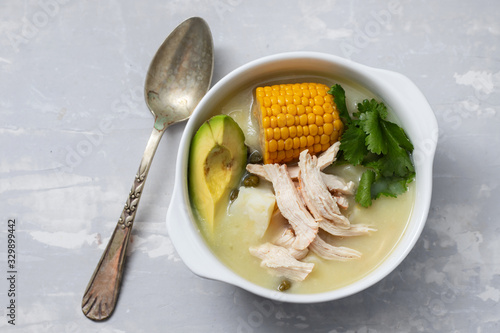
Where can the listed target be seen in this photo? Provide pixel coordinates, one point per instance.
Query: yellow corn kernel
(281, 145)
(327, 118)
(285, 133)
(337, 124)
(311, 118)
(319, 121)
(273, 121)
(324, 139)
(313, 129)
(300, 132)
(310, 140)
(328, 128)
(281, 118)
(281, 155)
(267, 102)
(303, 141)
(281, 100)
(305, 130)
(328, 108)
(303, 120)
(318, 110)
(266, 122)
(319, 100)
(294, 117)
(273, 99)
(277, 133)
(301, 109)
(276, 109)
(273, 146)
(269, 134)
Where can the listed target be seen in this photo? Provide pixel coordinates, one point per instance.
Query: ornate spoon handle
(100, 297)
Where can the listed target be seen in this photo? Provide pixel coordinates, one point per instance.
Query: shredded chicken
(308, 204)
(325, 159)
(328, 156)
(258, 169)
(354, 229)
(286, 240)
(337, 184)
(315, 193)
(291, 206)
(280, 262)
(341, 201)
(330, 252)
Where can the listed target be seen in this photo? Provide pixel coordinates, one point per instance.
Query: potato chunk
(254, 205)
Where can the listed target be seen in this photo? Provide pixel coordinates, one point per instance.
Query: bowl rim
(394, 89)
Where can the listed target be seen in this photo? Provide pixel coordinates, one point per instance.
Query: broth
(232, 235)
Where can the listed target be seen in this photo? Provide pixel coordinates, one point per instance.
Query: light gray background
(73, 126)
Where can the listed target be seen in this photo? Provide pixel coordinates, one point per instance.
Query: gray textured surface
(68, 67)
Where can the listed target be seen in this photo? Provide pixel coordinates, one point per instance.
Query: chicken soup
(302, 186)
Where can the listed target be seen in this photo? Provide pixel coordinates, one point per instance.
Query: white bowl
(395, 90)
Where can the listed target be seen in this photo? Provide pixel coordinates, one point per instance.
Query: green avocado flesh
(217, 160)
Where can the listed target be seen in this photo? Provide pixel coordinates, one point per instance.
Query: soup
(234, 230)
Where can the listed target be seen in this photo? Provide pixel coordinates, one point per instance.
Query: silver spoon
(178, 77)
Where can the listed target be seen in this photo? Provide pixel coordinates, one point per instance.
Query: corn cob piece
(295, 117)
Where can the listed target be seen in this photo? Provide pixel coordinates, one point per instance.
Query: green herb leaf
(364, 192)
(389, 187)
(353, 145)
(338, 94)
(398, 135)
(374, 136)
(373, 106)
(397, 161)
(378, 144)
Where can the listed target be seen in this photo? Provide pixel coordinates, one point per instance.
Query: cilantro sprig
(381, 146)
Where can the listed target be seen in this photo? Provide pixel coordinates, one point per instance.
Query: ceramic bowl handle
(184, 233)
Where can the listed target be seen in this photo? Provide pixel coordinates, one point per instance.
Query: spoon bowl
(177, 79)
(172, 87)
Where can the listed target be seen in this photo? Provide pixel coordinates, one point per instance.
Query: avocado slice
(217, 160)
